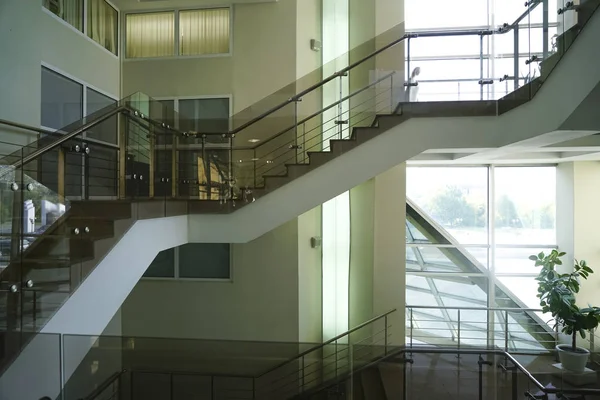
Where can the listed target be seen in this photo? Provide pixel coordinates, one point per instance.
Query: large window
(102, 24)
(102, 19)
(469, 233)
(70, 11)
(201, 32)
(206, 261)
(62, 100)
(451, 67)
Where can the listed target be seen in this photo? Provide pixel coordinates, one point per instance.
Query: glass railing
(138, 368)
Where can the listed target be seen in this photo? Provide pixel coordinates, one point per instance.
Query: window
(192, 261)
(102, 24)
(200, 32)
(107, 130)
(150, 35)
(70, 11)
(204, 32)
(102, 19)
(62, 100)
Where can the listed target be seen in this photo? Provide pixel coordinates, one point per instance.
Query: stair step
(319, 158)
(276, 181)
(385, 122)
(363, 134)
(341, 146)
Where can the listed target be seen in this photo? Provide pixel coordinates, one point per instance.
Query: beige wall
(29, 37)
(263, 60)
(586, 217)
(261, 303)
(390, 251)
(309, 278)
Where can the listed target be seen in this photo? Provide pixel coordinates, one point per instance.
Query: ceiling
(551, 148)
(145, 5)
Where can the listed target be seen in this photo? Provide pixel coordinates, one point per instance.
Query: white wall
(30, 36)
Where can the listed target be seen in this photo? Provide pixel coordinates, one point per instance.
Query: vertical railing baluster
(385, 348)
(411, 327)
(516, 56)
(458, 329)
(505, 330)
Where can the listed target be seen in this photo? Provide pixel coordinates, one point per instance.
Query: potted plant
(557, 292)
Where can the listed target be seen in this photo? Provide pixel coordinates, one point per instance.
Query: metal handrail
(53, 133)
(100, 389)
(298, 96)
(329, 107)
(334, 339)
(68, 136)
(475, 308)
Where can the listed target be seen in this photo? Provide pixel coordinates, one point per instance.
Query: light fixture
(269, 162)
(240, 161)
(254, 140)
(255, 159)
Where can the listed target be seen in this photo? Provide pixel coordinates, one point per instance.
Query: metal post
(302, 387)
(545, 28)
(515, 383)
(296, 128)
(391, 94)
(385, 346)
(516, 57)
(411, 327)
(35, 311)
(480, 378)
(408, 66)
(592, 344)
(254, 162)
(231, 177)
(481, 66)
(341, 110)
(458, 333)
(506, 330)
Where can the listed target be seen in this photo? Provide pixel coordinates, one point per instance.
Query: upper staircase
(86, 194)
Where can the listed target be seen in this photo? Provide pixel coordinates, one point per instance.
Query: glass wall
(477, 66)
(470, 231)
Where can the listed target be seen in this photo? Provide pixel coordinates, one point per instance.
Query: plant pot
(573, 361)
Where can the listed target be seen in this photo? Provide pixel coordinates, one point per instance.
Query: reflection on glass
(524, 213)
(456, 198)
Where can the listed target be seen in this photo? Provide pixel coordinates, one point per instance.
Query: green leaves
(557, 292)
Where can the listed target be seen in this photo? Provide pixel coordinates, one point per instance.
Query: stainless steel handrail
(334, 339)
(298, 96)
(53, 133)
(475, 308)
(67, 136)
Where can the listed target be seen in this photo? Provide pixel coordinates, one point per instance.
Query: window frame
(84, 32)
(177, 277)
(176, 100)
(177, 54)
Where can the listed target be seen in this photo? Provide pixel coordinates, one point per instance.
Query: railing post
(516, 56)
(592, 343)
(458, 333)
(411, 328)
(506, 330)
(515, 383)
(303, 375)
(481, 66)
(391, 94)
(61, 174)
(385, 347)
(545, 20)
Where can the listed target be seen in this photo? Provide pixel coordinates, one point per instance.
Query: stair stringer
(540, 120)
(36, 372)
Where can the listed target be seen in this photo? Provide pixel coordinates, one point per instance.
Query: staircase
(146, 179)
